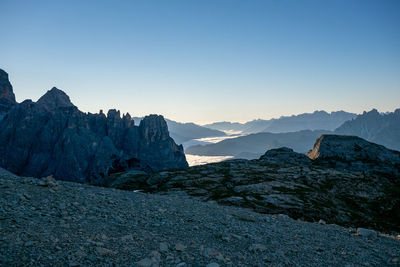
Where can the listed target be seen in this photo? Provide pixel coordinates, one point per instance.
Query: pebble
(146, 262)
(28, 244)
(104, 251)
(180, 247)
(164, 247)
(257, 248)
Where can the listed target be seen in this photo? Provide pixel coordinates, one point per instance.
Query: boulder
(355, 153)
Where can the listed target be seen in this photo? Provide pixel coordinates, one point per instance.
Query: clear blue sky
(206, 61)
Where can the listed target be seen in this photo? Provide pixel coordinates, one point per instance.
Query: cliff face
(52, 137)
(7, 97)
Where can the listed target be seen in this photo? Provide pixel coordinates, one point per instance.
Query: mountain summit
(7, 97)
(55, 98)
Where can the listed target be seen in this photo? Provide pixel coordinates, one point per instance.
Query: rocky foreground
(44, 222)
(344, 180)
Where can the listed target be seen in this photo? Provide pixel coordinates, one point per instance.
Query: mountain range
(380, 128)
(318, 120)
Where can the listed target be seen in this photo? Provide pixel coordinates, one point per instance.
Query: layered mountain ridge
(383, 129)
(318, 120)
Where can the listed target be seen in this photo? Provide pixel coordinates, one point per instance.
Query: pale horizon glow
(206, 61)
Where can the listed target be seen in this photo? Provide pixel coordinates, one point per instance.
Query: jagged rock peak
(154, 127)
(113, 114)
(372, 112)
(55, 98)
(6, 89)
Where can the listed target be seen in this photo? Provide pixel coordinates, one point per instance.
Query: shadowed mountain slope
(52, 137)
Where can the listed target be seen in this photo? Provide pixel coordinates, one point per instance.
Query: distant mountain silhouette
(183, 132)
(254, 145)
(383, 129)
(318, 120)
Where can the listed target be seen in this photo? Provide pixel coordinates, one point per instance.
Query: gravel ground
(49, 223)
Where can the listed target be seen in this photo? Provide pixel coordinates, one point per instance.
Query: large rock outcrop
(355, 153)
(52, 137)
(7, 97)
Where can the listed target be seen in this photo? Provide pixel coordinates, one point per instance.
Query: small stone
(104, 251)
(155, 256)
(182, 264)
(169, 258)
(126, 238)
(180, 247)
(28, 244)
(146, 262)
(321, 221)
(210, 252)
(80, 254)
(257, 248)
(164, 247)
(73, 264)
(395, 260)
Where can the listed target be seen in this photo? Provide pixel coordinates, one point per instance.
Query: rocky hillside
(52, 137)
(366, 194)
(54, 223)
(383, 129)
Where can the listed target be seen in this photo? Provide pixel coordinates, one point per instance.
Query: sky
(205, 61)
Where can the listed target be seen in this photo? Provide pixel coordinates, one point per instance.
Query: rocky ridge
(44, 222)
(367, 194)
(53, 137)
